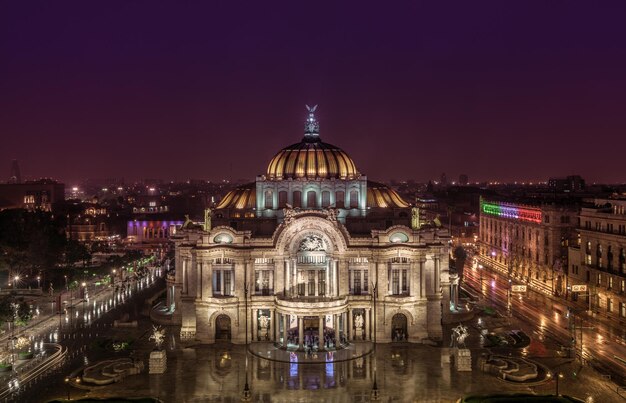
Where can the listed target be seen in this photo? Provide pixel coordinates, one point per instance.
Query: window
(340, 199)
(547, 219)
(311, 199)
(622, 286)
(599, 279)
(325, 198)
(297, 198)
(610, 282)
(395, 282)
(622, 310)
(609, 305)
(599, 255)
(282, 199)
(263, 282)
(622, 260)
(354, 199)
(609, 257)
(269, 202)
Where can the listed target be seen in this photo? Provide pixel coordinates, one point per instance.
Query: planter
(24, 356)
(6, 368)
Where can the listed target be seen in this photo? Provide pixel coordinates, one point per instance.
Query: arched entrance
(399, 327)
(222, 327)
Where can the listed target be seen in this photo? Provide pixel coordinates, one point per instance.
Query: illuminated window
(340, 199)
(282, 199)
(152, 204)
(354, 199)
(297, 198)
(311, 199)
(325, 198)
(269, 202)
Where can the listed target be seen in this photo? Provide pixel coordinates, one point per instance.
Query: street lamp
(15, 280)
(67, 385)
(38, 281)
(558, 376)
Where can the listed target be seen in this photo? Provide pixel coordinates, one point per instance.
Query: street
(602, 346)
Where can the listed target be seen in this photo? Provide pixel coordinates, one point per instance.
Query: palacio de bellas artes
(312, 256)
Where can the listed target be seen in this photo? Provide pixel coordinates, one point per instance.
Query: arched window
(325, 198)
(282, 199)
(297, 198)
(311, 199)
(609, 257)
(354, 199)
(269, 202)
(340, 199)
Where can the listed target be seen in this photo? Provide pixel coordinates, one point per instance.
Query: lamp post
(375, 394)
(480, 269)
(558, 376)
(67, 386)
(246, 388)
(38, 281)
(15, 280)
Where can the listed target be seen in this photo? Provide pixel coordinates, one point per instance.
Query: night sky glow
(497, 90)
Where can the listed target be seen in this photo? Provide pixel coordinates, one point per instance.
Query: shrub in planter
(5, 367)
(24, 355)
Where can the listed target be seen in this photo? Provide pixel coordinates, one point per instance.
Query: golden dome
(312, 159)
(380, 195)
(241, 198)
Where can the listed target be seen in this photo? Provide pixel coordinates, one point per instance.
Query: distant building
(16, 176)
(463, 180)
(572, 183)
(43, 195)
(599, 262)
(528, 242)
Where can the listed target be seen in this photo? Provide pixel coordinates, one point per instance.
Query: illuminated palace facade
(527, 243)
(311, 255)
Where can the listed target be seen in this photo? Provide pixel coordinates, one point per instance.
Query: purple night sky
(498, 90)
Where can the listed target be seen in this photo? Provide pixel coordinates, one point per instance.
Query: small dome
(241, 198)
(380, 195)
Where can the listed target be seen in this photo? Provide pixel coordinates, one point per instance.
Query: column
(272, 329)
(367, 324)
(199, 267)
(285, 276)
(254, 327)
(336, 325)
(422, 285)
(285, 327)
(300, 332)
(294, 280)
(207, 281)
(336, 273)
(437, 274)
(327, 278)
(320, 333)
(350, 332)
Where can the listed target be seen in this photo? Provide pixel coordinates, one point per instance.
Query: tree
(460, 255)
(23, 314)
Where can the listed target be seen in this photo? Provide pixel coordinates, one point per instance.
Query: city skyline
(503, 92)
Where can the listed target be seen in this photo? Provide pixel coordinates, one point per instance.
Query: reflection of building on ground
(314, 241)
